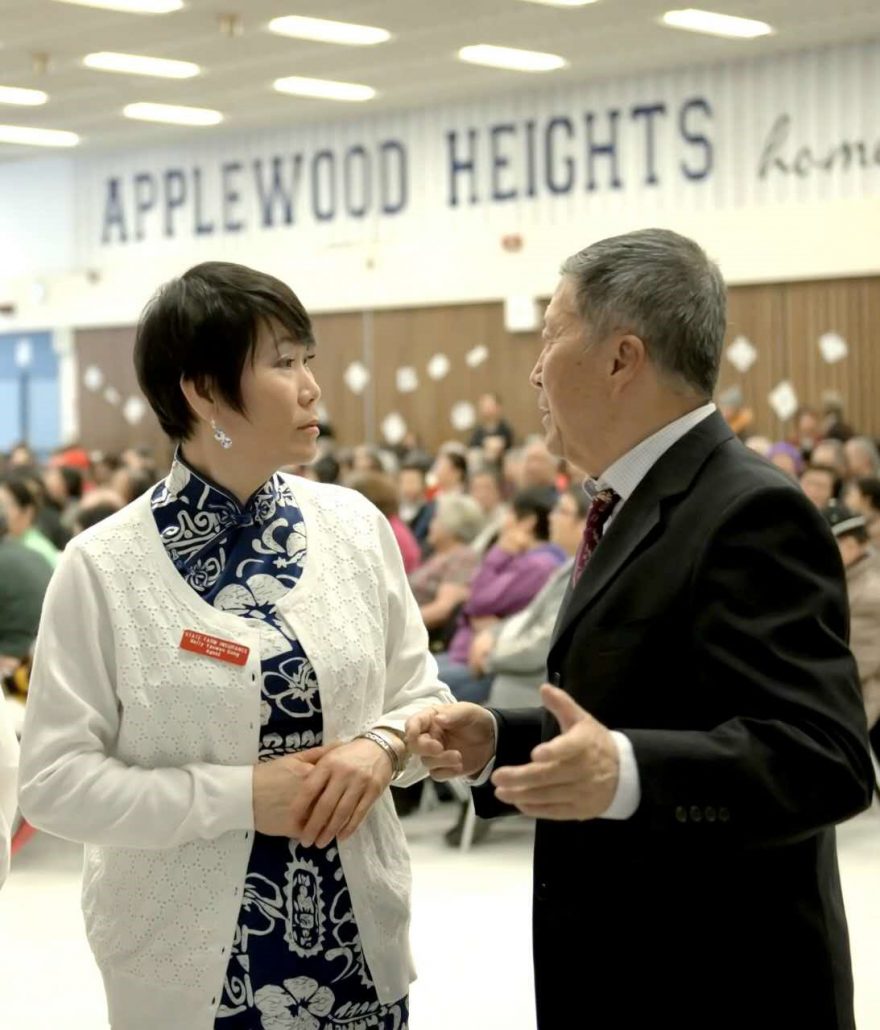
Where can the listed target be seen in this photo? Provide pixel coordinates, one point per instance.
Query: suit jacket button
(681, 814)
(696, 814)
(711, 814)
(723, 815)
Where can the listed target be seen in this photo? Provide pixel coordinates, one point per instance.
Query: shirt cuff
(482, 777)
(629, 788)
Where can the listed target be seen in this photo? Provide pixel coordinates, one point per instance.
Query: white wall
(700, 174)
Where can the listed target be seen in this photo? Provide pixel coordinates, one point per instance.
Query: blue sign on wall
(29, 392)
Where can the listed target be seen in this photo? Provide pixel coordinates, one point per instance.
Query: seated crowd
(487, 532)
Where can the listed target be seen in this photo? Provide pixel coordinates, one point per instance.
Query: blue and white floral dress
(296, 960)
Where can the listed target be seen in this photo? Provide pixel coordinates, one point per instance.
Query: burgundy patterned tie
(600, 510)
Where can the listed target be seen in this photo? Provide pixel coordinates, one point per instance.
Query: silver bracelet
(377, 738)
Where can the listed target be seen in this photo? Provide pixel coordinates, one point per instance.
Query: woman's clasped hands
(321, 794)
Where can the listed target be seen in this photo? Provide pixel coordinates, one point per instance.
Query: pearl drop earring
(221, 437)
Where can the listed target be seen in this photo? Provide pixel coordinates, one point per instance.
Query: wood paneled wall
(784, 321)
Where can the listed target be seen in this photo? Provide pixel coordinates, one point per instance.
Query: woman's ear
(199, 397)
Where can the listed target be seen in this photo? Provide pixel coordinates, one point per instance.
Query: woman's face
(19, 520)
(438, 535)
(280, 395)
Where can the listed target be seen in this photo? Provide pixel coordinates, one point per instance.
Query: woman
(442, 584)
(20, 503)
(381, 490)
(510, 575)
(222, 676)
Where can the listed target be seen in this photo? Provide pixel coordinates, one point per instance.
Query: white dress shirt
(623, 477)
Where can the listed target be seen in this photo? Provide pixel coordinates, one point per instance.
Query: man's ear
(630, 357)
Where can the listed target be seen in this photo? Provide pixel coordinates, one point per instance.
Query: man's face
(571, 377)
(826, 453)
(818, 486)
(488, 409)
(412, 485)
(484, 490)
(851, 549)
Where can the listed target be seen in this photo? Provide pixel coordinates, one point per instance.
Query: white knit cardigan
(145, 752)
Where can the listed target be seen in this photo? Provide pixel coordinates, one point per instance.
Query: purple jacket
(504, 584)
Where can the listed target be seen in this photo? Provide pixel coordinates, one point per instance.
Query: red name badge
(214, 647)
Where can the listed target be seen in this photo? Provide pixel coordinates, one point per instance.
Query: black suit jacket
(710, 627)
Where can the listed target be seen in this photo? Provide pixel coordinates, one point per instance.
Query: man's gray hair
(662, 288)
(461, 516)
(869, 449)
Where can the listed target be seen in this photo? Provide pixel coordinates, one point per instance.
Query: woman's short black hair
(204, 326)
(538, 501)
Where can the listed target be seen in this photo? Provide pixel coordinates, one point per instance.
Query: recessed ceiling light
(135, 64)
(130, 6)
(37, 137)
(511, 58)
(695, 20)
(324, 89)
(562, 3)
(323, 31)
(22, 97)
(172, 114)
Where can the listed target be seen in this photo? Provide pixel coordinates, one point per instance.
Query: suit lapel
(671, 475)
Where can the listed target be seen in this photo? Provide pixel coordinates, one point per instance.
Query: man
(540, 468)
(862, 458)
(820, 483)
(706, 730)
(415, 508)
(862, 566)
(863, 495)
(493, 434)
(830, 454)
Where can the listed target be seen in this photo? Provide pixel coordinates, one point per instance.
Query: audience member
(862, 566)
(442, 584)
(450, 472)
(509, 577)
(807, 430)
(540, 468)
(416, 509)
(381, 490)
(863, 496)
(21, 457)
(821, 484)
(487, 489)
(830, 453)
(24, 578)
(862, 458)
(788, 458)
(834, 425)
(19, 500)
(493, 434)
